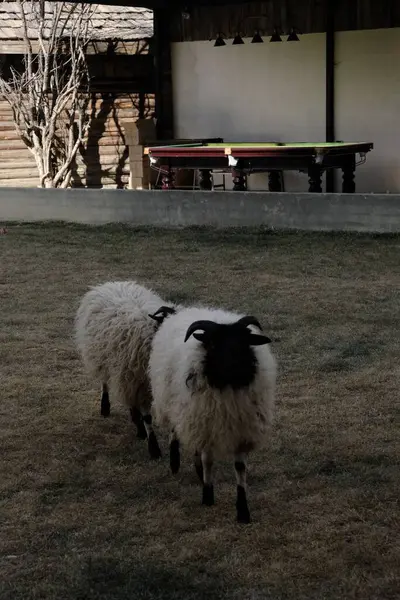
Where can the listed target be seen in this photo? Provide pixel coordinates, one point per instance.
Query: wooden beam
(330, 85)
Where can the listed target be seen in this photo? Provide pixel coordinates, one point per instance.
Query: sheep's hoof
(243, 513)
(154, 448)
(199, 471)
(174, 456)
(243, 516)
(105, 409)
(105, 405)
(137, 420)
(208, 495)
(141, 431)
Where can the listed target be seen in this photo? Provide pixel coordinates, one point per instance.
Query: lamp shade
(257, 39)
(293, 37)
(237, 40)
(275, 36)
(219, 41)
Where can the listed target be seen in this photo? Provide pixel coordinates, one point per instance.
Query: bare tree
(49, 96)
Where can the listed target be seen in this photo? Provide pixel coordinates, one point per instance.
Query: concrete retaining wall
(318, 212)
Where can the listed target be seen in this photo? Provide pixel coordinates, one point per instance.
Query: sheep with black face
(113, 333)
(212, 377)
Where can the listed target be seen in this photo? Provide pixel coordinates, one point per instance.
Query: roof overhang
(154, 4)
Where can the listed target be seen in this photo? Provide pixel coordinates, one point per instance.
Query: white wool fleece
(203, 417)
(113, 333)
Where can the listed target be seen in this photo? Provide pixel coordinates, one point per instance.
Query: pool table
(242, 159)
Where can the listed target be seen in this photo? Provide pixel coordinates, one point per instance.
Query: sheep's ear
(259, 340)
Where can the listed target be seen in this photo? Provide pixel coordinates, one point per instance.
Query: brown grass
(85, 515)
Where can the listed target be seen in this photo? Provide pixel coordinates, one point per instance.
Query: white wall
(276, 92)
(368, 102)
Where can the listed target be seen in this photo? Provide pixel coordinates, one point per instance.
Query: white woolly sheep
(212, 378)
(113, 332)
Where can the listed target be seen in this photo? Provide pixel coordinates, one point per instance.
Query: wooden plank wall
(105, 160)
(122, 76)
(17, 165)
(309, 16)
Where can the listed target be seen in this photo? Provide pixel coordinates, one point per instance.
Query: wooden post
(330, 86)
(139, 134)
(163, 73)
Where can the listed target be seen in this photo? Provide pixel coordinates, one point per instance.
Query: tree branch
(49, 97)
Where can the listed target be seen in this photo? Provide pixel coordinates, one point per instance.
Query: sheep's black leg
(242, 510)
(174, 453)
(198, 465)
(208, 487)
(154, 448)
(137, 420)
(105, 402)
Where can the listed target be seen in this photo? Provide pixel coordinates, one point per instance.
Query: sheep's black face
(229, 359)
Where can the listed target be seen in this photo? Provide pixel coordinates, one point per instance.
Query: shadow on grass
(125, 577)
(110, 578)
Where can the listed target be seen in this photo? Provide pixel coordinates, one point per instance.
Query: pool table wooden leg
(239, 181)
(274, 181)
(168, 180)
(315, 179)
(348, 177)
(205, 179)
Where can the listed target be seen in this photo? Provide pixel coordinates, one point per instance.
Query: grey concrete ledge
(375, 213)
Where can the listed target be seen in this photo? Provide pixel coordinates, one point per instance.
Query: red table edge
(256, 152)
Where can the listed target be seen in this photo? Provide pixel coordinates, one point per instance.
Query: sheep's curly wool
(113, 332)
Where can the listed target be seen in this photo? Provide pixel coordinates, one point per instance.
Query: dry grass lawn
(85, 515)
